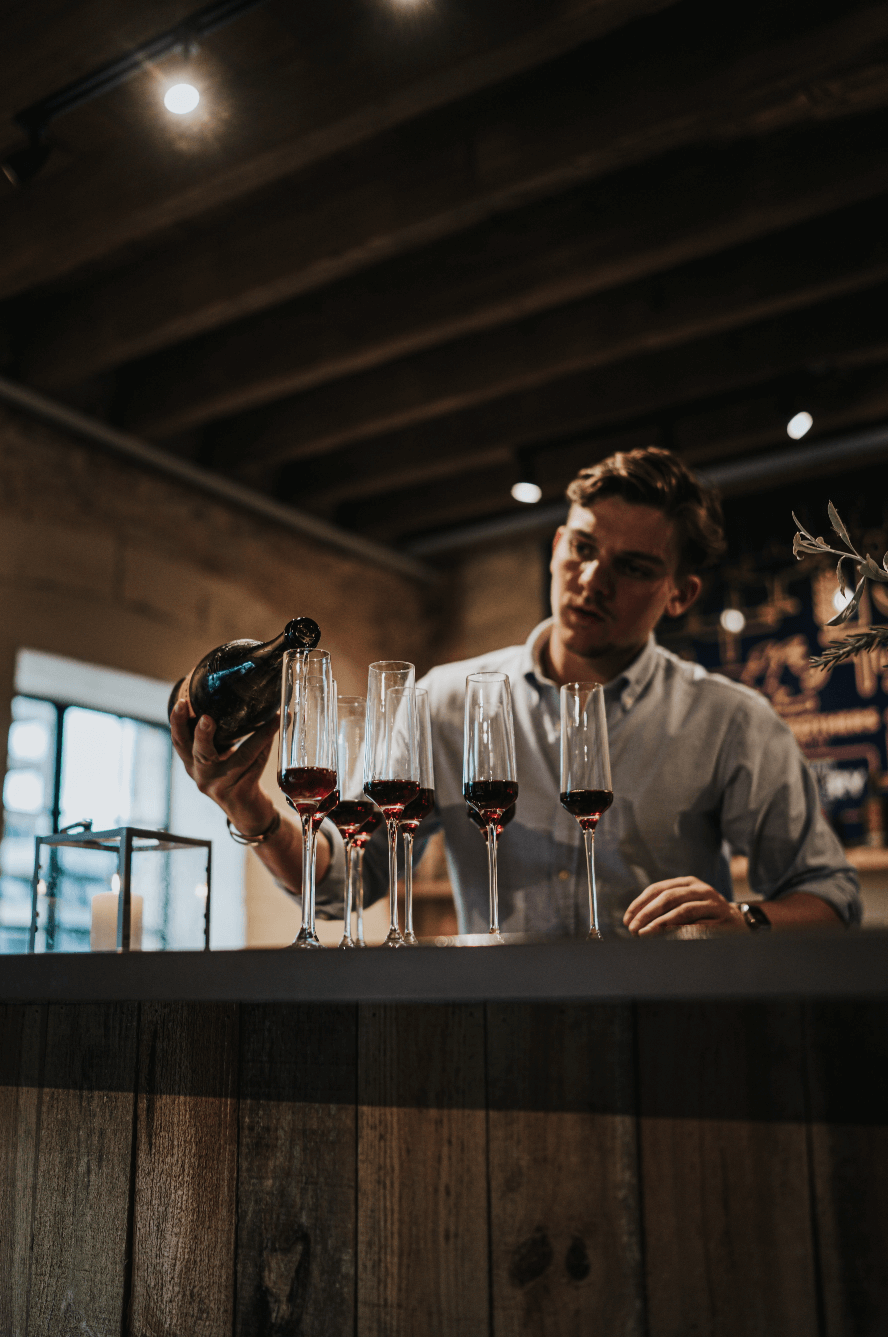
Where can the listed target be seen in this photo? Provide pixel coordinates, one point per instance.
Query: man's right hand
(231, 778)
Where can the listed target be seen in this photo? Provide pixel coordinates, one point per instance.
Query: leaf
(838, 526)
(840, 575)
(803, 530)
(850, 608)
(869, 568)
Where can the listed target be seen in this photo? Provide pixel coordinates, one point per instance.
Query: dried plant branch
(805, 543)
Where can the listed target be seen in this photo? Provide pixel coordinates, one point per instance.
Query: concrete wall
(109, 563)
(496, 594)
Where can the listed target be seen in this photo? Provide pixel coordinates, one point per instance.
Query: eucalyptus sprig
(805, 543)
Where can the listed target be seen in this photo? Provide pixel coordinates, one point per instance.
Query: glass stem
(408, 885)
(394, 927)
(349, 893)
(358, 859)
(491, 872)
(589, 841)
(307, 877)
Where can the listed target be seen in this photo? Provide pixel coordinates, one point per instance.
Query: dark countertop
(853, 965)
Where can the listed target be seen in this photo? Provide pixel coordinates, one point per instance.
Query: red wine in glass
(587, 805)
(324, 809)
(307, 786)
(349, 815)
(373, 823)
(392, 796)
(417, 810)
(490, 798)
(474, 816)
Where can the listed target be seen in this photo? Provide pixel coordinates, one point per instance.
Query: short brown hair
(655, 477)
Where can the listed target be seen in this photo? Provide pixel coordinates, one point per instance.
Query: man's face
(613, 576)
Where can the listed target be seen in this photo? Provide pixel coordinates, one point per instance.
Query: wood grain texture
(422, 1172)
(82, 1198)
(727, 1213)
(22, 1030)
(848, 1062)
(296, 1171)
(186, 1165)
(564, 1199)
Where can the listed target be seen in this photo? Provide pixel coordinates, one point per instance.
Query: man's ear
(684, 592)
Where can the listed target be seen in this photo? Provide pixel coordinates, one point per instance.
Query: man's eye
(582, 552)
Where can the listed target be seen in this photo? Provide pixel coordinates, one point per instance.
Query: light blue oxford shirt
(702, 768)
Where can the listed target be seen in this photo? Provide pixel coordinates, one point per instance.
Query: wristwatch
(756, 919)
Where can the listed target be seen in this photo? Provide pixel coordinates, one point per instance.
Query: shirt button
(563, 875)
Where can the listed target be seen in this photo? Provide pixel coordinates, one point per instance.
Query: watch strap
(756, 919)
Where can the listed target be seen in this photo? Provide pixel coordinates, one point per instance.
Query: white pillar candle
(103, 922)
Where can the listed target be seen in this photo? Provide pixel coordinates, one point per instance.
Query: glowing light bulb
(799, 425)
(115, 883)
(181, 98)
(732, 620)
(841, 600)
(527, 492)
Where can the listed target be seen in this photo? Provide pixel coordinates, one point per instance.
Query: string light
(529, 493)
(732, 620)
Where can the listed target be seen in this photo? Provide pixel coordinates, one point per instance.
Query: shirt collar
(627, 687)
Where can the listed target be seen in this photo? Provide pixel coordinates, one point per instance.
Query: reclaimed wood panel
(422, 1255)
(22, 1030)
(186, 1166)
(564, 1199)
(848, 1063)
(726, 1206)
(296, 1171)
(82, 1189)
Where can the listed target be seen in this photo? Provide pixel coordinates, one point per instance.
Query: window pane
(27, 804)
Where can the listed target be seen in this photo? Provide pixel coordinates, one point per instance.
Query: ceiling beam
(848, 330)
(374, 70)
(689, 75)
(590, 239)
(802, 266)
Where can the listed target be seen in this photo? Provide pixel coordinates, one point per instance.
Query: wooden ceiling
(408, 252)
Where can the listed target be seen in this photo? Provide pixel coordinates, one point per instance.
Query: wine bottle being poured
(239, 683)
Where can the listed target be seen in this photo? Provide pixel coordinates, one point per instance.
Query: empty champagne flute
(586, 790)
(419, 808)
(391, 770)
(307, 758)
(490, 780)
(353, 808)
(359, 843)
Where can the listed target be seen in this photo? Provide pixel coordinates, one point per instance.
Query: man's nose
(594, 576)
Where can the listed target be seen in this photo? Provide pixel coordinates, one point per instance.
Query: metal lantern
(63, 908)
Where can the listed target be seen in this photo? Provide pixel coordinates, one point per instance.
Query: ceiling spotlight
(799, 425)
(181, 99)
(732, 620)
(527, 492)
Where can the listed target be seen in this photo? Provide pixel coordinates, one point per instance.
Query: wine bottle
(239, 683)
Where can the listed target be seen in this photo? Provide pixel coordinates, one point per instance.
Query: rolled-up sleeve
(771, 813)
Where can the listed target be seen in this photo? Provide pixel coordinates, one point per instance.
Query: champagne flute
(501, 825)
(307, 758)
(353, 808)
(490, 781)
(586, 789)
(359, 844)
(419, 808)
(391, 770)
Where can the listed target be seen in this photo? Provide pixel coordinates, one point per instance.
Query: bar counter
(650, 1139)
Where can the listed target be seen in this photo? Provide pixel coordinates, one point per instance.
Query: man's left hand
(665, 906)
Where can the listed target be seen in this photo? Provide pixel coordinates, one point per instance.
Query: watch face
(755, 917)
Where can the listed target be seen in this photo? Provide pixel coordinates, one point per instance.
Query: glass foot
(306, 938)
(593, 935)
(411, 940)
(359, 942)
(394, 939)
(347, 941)
(495, 938)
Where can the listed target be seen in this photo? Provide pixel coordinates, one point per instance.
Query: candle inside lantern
(103, 921)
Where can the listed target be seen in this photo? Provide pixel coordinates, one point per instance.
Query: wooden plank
(422, 1168)
(671, 80)
(296, 1171)
(186, 1167)
(82, 1190)
(359, 72)
(848, 1060)
(565, 1228)
(727, 1214)
(846, 329)
(796, 268)
(22, 1035)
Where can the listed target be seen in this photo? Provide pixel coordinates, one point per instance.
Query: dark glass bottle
(239, 684)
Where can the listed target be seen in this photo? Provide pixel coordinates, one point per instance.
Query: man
(699, 763)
